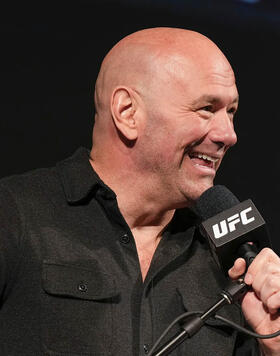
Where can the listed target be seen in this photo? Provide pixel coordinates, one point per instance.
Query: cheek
(169, 135)
(191, 127)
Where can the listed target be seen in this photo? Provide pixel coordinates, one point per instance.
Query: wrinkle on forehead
(220, 70)
(223, 79)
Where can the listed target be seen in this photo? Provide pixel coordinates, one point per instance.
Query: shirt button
(82, 287)
(146, 349)
(125, 239)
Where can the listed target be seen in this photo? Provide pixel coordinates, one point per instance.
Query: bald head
(148, 56)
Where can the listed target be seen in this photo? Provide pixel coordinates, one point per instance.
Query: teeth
(208, 158)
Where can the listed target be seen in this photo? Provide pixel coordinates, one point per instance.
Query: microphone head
(213, 201)
(227, 224)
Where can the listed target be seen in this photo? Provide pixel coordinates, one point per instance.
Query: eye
(232, 111)
(208, 108)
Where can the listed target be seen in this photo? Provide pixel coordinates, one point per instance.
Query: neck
(138, 199)
(140, 205)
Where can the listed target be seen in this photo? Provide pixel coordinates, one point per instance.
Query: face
(189, 129)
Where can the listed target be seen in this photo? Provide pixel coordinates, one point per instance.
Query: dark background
(50, 56)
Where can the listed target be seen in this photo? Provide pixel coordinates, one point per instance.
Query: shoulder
(26, 185)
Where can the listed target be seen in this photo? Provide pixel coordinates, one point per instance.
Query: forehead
(216, 86)
(212, 67)
(209, 78)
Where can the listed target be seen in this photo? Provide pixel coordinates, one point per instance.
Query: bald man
(100, 253)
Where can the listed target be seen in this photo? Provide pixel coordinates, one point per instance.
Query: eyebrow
(212, 99)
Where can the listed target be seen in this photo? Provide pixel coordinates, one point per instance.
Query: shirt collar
(79, 180)
(78, 177)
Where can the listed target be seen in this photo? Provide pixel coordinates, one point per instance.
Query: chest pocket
(77, 309)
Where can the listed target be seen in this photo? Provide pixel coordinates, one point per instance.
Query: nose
(222, 129)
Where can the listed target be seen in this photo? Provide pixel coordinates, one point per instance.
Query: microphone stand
(235, 290)
(194, 323)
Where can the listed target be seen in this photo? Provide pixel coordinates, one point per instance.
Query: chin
(194, 192)
(206, 186)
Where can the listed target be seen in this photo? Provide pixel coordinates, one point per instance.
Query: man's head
(165, 100)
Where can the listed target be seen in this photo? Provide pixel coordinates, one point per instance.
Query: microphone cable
(215, 316)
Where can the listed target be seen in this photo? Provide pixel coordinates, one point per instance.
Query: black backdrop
(50, 57)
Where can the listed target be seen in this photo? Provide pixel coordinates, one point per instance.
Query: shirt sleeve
(11, 233)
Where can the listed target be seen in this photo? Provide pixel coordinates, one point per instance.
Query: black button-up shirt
(70, 277)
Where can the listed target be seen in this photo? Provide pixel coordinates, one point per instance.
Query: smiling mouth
(203, 159)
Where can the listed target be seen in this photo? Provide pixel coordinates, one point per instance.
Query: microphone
(233, 228)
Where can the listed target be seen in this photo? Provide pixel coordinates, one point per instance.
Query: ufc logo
(229, 225)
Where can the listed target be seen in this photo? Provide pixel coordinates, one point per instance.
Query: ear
(123, 107)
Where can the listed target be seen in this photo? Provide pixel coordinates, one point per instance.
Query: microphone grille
(213, 201)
